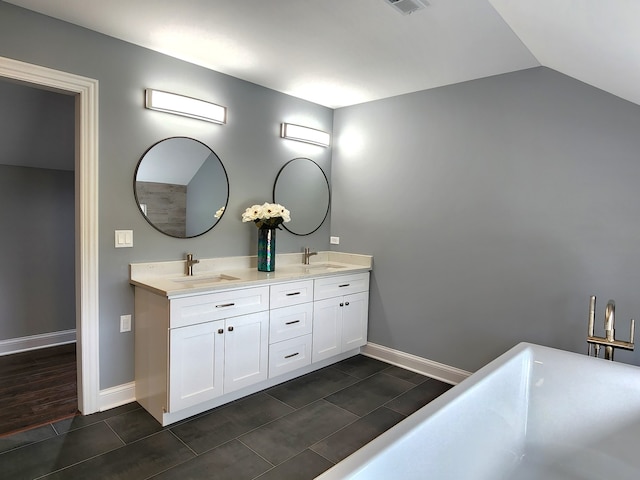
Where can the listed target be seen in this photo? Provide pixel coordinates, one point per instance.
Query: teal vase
(266, 249)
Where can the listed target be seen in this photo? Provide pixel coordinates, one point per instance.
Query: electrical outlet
(125, 323)
(334, 240)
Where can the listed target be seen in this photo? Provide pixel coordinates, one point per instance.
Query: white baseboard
(117, 396)
(33, 342)
(439, 371)
(126, 393)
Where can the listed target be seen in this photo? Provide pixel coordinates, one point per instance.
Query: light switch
(125, 323)
(124, 238)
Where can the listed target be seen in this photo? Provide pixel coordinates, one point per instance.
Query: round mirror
(181, 187)
(302, 187)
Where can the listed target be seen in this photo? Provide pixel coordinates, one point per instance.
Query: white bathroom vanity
(227, 331)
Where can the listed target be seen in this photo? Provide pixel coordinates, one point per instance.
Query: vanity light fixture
(186, 106)
(305, 134)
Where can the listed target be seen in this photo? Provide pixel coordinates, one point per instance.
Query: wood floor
(37, 387)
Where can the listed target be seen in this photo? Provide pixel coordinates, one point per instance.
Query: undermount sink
(204, 279)
(323, 265)
(317, 267)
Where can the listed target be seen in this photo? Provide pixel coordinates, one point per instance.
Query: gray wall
(36, 211)
(249, 147)
(36, 127)
(37, 244)
(497, 207)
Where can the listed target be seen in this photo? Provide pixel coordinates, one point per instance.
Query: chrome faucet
(307, 253)
(610, 320)
(190, 263)
(608, 341)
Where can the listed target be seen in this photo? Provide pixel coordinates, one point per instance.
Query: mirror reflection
(179, 185)
(303, 188)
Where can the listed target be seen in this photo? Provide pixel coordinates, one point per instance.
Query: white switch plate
(334, 240)
(124, 238)
(125, 323)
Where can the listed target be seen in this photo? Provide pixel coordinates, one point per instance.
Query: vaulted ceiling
(343, 52)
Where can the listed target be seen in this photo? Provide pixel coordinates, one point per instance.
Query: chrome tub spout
(610, 320)
(609, 328)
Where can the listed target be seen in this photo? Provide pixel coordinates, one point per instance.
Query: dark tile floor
(295, 430)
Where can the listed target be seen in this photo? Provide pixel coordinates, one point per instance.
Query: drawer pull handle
(293, 293)
(230, 329)
(222, 305)
(344, 285)
(292, 322)
(292, 355)
(220, 330)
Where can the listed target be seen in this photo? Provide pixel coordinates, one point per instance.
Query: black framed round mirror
(302, 187)
(181, 187)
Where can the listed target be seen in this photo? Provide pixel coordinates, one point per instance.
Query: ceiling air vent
(407, 6)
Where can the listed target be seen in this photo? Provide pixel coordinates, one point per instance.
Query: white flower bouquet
(267, 215)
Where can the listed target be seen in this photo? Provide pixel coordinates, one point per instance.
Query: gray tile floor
(295, 430)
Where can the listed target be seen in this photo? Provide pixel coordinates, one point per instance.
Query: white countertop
(213, 274)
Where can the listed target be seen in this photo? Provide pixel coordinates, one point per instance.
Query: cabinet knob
(341, 304)
(220, 330)
(346, 303)
(230, 329)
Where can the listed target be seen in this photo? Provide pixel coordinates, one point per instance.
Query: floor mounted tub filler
(534, 412)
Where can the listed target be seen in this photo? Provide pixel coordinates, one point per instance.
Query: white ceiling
(343, 52)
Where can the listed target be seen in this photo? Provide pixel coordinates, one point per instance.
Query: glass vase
(266, 250)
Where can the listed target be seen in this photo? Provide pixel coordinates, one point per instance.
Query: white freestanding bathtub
(533, 413)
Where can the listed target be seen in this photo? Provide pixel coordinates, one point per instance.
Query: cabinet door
(327, 328)
(355, 314)
(246, 350)
(196, 356)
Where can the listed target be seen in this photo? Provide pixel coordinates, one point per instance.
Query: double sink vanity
(228, 330)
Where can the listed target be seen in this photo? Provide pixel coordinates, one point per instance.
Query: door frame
(85, 91)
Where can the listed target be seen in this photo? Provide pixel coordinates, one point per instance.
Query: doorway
(85, 91)
(37, 206)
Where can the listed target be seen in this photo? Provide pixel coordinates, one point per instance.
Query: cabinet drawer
(290, 322)
(214, 306)
(340, 285)
(289, 355)
(292, 293)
